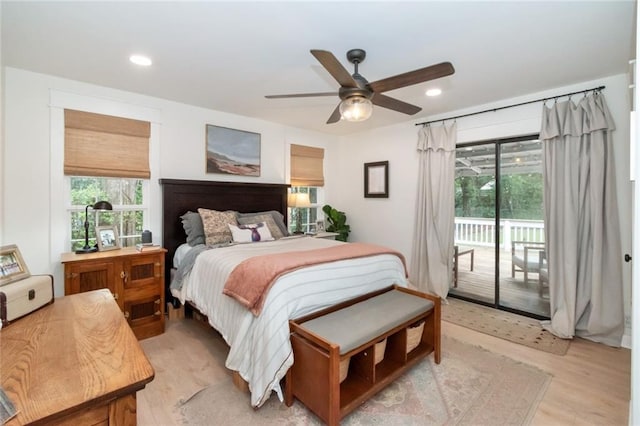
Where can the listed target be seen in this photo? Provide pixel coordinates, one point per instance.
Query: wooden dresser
(73, 362)
(136, 280)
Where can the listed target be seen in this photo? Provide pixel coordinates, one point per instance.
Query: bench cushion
(357, 324)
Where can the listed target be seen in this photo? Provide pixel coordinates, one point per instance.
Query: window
(307, 176)
(308, 215)
(106, 158)
(129, 208)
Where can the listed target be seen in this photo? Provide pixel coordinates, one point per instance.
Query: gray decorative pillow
(216, 225)
(277, 217)
(274, 230)
(192, 224)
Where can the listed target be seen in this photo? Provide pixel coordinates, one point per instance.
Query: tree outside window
(127, 198)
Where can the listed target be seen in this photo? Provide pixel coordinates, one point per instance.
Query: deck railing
(482, 232)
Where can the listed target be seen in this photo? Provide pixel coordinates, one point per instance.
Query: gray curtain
(432, 252)
(581, 221)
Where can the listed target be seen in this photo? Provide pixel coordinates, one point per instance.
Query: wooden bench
(352, 332)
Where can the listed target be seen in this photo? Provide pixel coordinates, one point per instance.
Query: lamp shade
(102, 205)
(356, 108)
(299, 199)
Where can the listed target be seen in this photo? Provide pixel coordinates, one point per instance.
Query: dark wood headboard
(180, 196)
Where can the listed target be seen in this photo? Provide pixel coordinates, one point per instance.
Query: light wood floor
(590, 385)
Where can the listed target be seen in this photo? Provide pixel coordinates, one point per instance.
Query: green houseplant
(337, 222)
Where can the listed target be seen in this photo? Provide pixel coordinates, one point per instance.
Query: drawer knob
(126, 314)
(158, 313)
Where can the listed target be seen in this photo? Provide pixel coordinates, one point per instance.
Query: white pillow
(250, 233)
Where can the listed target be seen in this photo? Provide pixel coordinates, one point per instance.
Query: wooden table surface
(73, 355)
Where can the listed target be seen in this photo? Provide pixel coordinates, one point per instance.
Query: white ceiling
(226, 56)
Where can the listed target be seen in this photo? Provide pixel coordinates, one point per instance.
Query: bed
(260, 350)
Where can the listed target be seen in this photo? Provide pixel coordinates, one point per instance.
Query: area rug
(505, 325)
(471, 386)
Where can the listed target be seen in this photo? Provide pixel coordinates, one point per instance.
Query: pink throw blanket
(251, 280)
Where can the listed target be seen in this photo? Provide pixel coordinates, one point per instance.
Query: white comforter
(260, 349)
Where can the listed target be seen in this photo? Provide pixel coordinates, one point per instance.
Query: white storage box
(20, 298)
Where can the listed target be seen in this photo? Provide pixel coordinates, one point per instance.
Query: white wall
(390, 221)
(33, 215)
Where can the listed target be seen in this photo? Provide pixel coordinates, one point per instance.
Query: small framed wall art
(107, 238)
(12, 266)
(376, 179)
(233, 152)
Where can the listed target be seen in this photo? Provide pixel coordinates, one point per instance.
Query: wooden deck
(479, 284)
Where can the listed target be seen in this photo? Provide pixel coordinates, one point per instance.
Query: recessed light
(433, 92)
(140, 60)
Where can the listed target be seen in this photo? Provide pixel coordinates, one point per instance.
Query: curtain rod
(594, 89)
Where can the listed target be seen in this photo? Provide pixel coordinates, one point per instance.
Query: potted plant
(337, 222)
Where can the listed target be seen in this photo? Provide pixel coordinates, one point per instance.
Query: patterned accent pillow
(262, 218)
(278, 218)
(250, 233)
(215, 224)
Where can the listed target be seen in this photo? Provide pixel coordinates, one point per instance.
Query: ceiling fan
(358, 95)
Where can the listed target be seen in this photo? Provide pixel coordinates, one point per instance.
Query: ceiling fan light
(356, 108)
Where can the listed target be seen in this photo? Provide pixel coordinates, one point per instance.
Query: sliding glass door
(499, 229)
(475, 234)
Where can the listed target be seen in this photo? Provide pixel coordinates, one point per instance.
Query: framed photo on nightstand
(12, 266)
(107, 238)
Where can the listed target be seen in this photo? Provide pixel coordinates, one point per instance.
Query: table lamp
(298, 200)
(100, 205)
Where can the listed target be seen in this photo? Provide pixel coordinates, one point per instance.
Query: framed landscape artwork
(233, 152)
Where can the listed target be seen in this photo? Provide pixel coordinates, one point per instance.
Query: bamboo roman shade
(307, 166)
(103, 145)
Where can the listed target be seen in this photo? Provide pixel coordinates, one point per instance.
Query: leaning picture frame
(12, 265)
(107, 238)
(376, 179)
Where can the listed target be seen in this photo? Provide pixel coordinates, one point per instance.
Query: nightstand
(326, 235)
(135, 279)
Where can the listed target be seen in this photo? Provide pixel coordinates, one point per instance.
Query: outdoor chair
(543, 275)
(457, 252)
(527, 257)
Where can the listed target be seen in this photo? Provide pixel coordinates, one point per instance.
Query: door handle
(627, 258)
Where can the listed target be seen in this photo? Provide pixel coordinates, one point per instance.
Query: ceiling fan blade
(413, 77)
(301, 95)
(335, 116)
(394, 104)
(334, 67)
